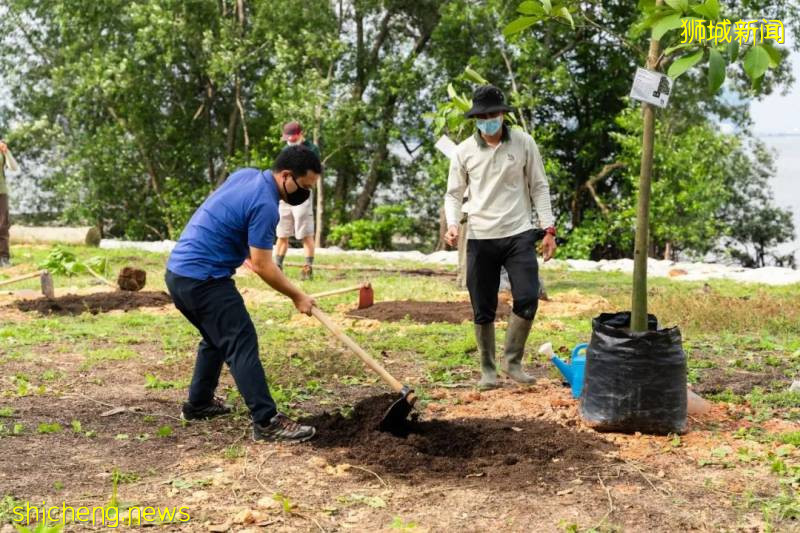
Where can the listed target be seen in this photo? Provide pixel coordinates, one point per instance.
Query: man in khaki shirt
(501, 172)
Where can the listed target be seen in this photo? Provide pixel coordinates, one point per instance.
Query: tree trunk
(382, 153)
(84, 235)
(320, 191)
(440, 243)
(639, 297)
(461, 278)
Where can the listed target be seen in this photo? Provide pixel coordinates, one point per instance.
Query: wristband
(550, 231)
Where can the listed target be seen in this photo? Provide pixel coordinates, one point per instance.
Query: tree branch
(589, 185)
(622, 40)
(408, 150)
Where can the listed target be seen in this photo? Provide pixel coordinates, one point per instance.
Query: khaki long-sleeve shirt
(503, 185)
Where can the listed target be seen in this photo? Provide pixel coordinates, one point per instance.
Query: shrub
(374, 234)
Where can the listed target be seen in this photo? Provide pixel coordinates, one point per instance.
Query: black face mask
(297, 197)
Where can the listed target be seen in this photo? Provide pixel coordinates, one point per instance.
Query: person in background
(501, 171)
(297, 220)
(6, 161)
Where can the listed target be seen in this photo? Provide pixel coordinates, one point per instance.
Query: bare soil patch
(423, 312)
(716, 380)
(100, 302)
(506, 452)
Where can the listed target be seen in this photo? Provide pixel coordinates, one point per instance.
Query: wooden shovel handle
(101, 278)
(23, 277)
(350, 343)
(340, 291)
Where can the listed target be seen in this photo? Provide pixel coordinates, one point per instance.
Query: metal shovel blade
(395, 421)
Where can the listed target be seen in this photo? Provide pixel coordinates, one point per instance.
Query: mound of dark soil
(100, 302)
(500, 451)
(423, 312)
(132, 279)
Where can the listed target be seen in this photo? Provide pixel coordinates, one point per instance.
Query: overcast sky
(780, 115)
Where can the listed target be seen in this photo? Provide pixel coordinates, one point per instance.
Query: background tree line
(128, 113)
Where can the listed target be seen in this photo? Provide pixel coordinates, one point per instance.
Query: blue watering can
(573, 372)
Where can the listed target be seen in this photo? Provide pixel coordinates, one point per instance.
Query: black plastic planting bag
(634, 381)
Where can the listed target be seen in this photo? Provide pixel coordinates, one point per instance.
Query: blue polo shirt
(243, 212)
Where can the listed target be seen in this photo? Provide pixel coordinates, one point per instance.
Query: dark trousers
(4, 225)
(217, 310)
(484, 259)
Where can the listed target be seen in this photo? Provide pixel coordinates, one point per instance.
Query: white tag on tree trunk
(446, 145)
(651, 87)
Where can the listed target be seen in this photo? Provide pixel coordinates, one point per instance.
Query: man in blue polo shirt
(235, 222)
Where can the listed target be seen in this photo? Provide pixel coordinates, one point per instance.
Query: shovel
(395, 418)
(45, 279)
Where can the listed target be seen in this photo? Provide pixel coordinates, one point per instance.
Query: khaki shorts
(296, 220)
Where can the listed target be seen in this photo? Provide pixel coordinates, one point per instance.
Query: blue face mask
(489, 126)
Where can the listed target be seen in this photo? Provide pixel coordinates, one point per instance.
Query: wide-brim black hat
(487, 99)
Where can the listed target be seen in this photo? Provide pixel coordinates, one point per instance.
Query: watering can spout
(564, 368)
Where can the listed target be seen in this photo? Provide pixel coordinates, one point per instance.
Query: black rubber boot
(516, 335)
(484, 335)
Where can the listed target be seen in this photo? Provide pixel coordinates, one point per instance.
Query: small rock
(220, 528)
(317, 462)
(338, 470)
(795, 386)
(268, 502)
(199, 496)
(245, 516)
(564, 492)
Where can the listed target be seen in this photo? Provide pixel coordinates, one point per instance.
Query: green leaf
(774, 55)
(678, 5)
(548, 7)
(519, 24)
(733, 51)
(716, 70)
(451, 92)
(756, 62)
(710, 9)
(671, 49)
(670, 22)
(473, 75)
(564, 13)
(683, 64)
(530, 8)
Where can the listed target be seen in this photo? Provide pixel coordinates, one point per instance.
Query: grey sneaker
(281, 428)
(5, 262)
(214, 409)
